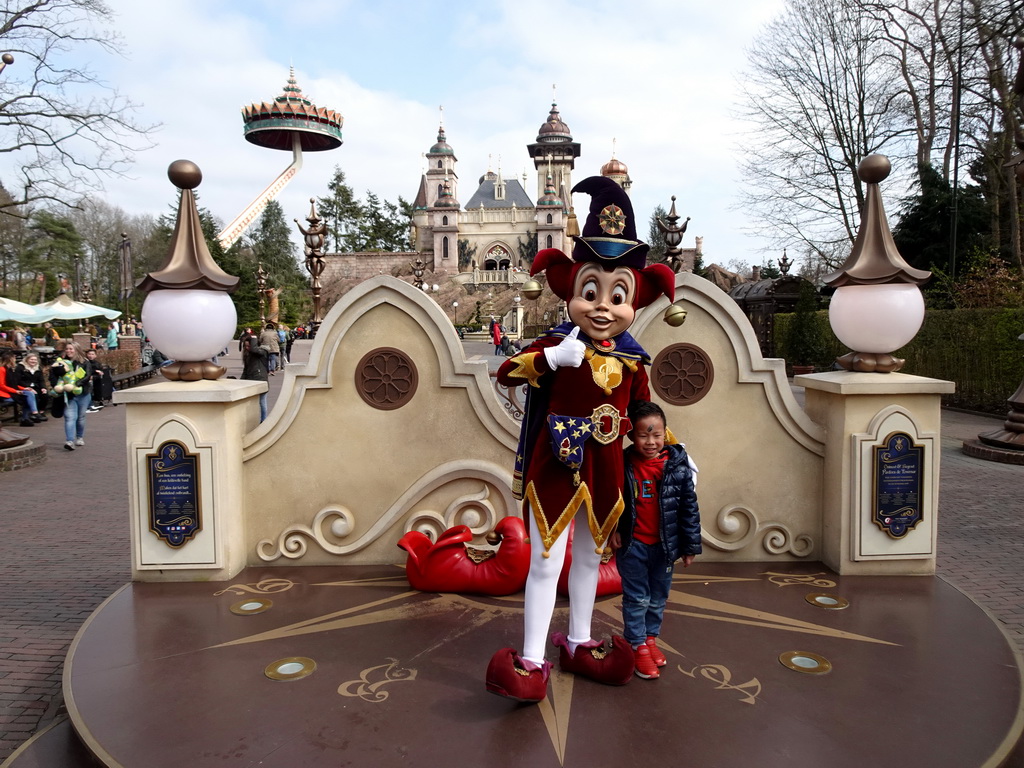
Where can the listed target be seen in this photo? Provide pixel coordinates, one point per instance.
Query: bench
(131, 378)
(9, 411)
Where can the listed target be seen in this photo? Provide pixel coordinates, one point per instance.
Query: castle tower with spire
(499, 228)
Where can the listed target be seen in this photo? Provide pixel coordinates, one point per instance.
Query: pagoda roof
(274, 124)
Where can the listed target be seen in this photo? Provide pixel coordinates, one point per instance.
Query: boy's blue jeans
(646, 581)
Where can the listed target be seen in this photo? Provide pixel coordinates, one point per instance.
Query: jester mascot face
(569, 465)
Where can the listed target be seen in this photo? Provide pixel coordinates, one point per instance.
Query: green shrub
(977, 349)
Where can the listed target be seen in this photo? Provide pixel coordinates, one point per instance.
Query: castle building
(499, 229)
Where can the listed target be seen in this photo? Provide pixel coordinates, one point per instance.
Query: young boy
(661, 524)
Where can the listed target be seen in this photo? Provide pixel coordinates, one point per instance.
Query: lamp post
(455, 311)
(261, 286)
(124, 251)
(313, 239)
(877, 307)
(188, 313)
(673, 233)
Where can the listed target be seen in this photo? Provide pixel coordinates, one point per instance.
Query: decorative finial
(875, 259)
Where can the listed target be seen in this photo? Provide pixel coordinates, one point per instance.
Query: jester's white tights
(542, 584)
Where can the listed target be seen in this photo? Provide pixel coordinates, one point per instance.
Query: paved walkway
(64, 546)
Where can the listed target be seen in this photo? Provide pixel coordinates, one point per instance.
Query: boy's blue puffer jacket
(680, 515)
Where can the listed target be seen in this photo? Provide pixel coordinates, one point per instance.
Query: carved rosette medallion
(682, 374)
(386, 378)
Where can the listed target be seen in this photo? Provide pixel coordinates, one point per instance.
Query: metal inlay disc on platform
(825, 600)
(292, 668)
(808, 663)
(251, 606)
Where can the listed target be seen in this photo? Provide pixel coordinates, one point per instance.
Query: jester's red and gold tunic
(595, 395)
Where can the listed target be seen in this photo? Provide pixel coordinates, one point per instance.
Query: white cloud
(658, 76)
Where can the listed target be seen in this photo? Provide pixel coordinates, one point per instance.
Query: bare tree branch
(63, 128)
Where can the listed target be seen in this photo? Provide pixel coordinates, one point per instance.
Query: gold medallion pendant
(607, 372)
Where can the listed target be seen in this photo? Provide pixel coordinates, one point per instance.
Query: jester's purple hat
(609, 235)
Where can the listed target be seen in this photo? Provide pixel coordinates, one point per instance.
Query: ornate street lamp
(673, 237)
(313, 239)
(261, 288)
(877, 307)
(188, 313)
(455, 312)
(124, 250)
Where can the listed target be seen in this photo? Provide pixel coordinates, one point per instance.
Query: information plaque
(174, 509)
(898, 484)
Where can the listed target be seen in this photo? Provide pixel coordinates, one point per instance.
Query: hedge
(976, 348)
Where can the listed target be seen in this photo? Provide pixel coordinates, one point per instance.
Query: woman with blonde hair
(28, 374)
(72, 377)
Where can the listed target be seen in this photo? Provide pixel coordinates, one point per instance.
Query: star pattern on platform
(474, 613)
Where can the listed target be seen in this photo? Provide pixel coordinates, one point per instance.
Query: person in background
(102, 382)
(268, 339)
(282, 343)
(51, 336)
(20, 339)
(112, 338)
(72, 374)
(24, 397)
(255, 369)
(30, 375)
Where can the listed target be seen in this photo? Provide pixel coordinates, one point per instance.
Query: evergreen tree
(53, 242)
(341, 211)
(656, 238)
(924, 232)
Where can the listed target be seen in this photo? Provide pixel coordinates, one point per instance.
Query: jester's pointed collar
(626, 347)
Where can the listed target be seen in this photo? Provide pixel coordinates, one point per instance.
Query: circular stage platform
(333, 666)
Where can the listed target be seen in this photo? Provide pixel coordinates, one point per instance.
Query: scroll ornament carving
(332, 527)
(739, 527)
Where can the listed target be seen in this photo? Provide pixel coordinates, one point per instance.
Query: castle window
(550, 241)
(439, 164)
(549, 221)
(444, 221)
(444, 248)
(440, 190)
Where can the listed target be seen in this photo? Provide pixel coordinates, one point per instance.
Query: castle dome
(442, 147)
(614, 168)
(554, 130)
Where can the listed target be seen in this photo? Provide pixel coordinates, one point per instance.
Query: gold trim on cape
(525, 369)
(582, 497)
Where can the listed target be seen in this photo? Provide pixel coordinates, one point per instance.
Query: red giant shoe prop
(609, 582)
(450, 566)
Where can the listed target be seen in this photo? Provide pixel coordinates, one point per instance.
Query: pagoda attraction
(290, 122)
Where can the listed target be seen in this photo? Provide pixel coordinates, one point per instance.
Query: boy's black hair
(640, 409)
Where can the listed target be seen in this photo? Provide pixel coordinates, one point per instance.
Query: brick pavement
(64, 546)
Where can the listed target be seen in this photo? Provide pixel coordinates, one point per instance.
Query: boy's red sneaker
(643, 664)
(656, 654)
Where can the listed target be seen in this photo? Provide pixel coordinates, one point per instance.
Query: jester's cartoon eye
(589, 292)
(619, 294)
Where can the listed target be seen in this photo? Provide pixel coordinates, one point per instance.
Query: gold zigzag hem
(549, 534)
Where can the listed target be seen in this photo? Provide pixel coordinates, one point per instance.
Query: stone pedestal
(861, 413)
(204, 421)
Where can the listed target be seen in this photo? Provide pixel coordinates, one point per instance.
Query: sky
(657, 77)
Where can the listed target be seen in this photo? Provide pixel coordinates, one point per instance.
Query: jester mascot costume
(582, 376)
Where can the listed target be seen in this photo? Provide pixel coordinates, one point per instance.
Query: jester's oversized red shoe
(611, 665)
(508, 676)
